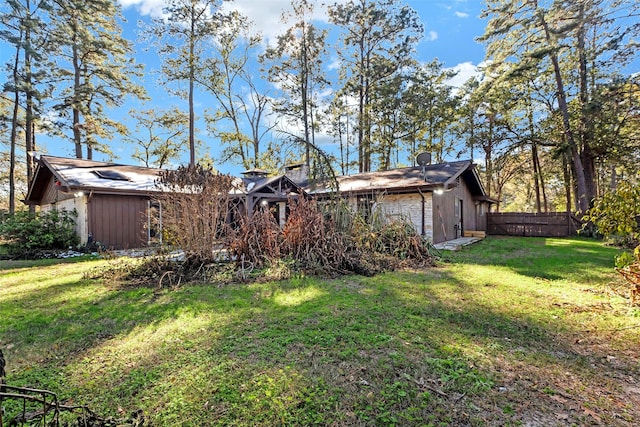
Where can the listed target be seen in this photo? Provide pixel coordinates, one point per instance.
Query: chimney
(298, 173)
(254, 175)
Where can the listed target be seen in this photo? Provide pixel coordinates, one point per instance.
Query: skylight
(111, 174)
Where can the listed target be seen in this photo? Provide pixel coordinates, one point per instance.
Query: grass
(510, 331)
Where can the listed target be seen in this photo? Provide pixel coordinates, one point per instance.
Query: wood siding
(555, 224)
(118, 222)
(54, 194)
(453, 212)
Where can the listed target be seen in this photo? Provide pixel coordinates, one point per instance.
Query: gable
(277, 185)
(408, 180)
(62, 175)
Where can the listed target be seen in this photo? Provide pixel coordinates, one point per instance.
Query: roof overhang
(70, 176)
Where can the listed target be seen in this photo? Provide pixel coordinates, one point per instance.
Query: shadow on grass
(399, 348)
(545, 258)
(9, 264)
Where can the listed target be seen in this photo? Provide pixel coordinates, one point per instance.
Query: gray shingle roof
(406, 179)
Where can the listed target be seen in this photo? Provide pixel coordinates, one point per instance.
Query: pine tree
(23, 27)
(378, 39)
(295, 67)
(93, 71)
(183, 37)
(576, 46)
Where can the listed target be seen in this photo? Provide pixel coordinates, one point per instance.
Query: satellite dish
(424, 159)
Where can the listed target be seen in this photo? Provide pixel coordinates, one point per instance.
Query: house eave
(428, 188)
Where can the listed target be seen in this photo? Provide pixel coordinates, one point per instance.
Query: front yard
(510, 331)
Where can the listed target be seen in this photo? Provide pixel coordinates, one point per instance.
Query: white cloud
(465, 70)
(265, 15)
(462, 14)
(432, 35)
(152, 8)
(334, 63)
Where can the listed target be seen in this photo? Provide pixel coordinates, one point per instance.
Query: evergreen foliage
(28, 235)
(617, 213)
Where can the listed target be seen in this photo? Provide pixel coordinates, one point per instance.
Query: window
(365, 206)
(154, 224)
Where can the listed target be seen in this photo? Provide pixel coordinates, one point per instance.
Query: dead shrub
(158, 271)
(195, 205)
(400, 240)
(257, 240)
(631, 273)
(335, 240)
(311, 239)
(327, 239)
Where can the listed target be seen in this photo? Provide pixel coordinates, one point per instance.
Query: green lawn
(510, 331)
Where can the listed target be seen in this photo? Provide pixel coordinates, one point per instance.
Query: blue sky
(450, 31)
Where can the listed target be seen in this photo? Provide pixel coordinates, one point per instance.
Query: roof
(268, 183)
(75, 175)
(411, 179)
(88, 175)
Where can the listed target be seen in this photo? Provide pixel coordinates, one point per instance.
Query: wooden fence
(555, 224)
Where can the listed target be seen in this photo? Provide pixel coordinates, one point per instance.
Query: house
(115, 203)
(442, 201)
(112, 200)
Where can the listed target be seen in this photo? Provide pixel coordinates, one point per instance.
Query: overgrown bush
(257, 239)
(329, 240)
(628, 265)
(616, 215)
(312, 239)
(195, 207)
(326, 240)
(27, 234)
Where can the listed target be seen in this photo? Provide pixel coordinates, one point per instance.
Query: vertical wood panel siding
(446, 213)
(118, 221)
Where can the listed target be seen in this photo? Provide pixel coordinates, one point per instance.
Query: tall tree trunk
(567, 181)
(340, 136)
(305, 94)
(586, 129)
(14, 136)
(29, 126)
(536, 175)
(192, 77)
(535, 161)
(488, 152)
(589, 165)
(361, 142)
(545, 201)
(582, 191)
(77, 133)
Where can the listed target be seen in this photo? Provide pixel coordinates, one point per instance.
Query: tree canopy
(550, 119)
